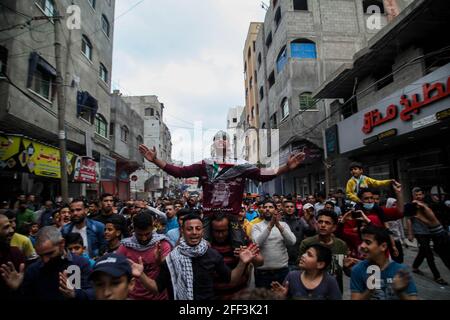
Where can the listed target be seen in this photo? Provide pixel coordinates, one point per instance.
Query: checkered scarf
(180, 267)
(133, 243)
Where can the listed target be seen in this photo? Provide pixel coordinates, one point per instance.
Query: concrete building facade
(152, 182)
(28, 100)
(299, 45)
(394, 119)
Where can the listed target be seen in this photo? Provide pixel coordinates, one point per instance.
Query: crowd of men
(223, 244)
(289, 247)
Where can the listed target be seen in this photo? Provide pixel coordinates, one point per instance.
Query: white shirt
(273, 244)
(83, 234)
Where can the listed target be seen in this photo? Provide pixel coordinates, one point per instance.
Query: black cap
(355, 165)
(114, 264)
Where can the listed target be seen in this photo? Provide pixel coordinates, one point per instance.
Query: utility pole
(60, 88)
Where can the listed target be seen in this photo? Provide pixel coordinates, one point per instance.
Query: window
(271, 79)
(307, 102)
(263, 126)
(251, 83)
(303, 49)
(256, 77)
(254, 46)
(41, 76)
(103, 73)
(248, 119)
(278, 17)
(301, 5)
(48, 6)
(111, 128)
(284, 108)
(92, 3)
(234, 120)
(149, 112)
(43, 83)
(124, 133)
(246, 93)
(3, 61)
(100, 125)
(275, 3)
(282, 59)
(86, 47)
(261, 93)
(87, 106)
(367, 4)
(253, 112)
(269, 40)
(249, 54)
(259, 60)
(105, 25)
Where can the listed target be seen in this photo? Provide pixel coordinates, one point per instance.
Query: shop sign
(85, 170)
(107, 168)
(23, 154)
(412, 105)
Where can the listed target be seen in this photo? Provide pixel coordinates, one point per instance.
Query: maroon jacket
(219, 193)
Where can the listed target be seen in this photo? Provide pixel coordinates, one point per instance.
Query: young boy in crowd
(75, 244)
(312, 282)
(112, 277)
(359, 181)
(376, 277)
(34, 228)
(114, 229)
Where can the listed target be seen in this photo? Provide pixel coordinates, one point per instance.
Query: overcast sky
(189, 54)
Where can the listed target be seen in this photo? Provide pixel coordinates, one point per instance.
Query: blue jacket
(95, 233)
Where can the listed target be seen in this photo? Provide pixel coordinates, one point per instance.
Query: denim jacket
(95, 234)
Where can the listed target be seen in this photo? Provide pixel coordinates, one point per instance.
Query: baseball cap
(355, 165)
(308, 206)
(114, 264)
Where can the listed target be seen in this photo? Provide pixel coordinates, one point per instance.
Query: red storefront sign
(411, 105)
(85, 170)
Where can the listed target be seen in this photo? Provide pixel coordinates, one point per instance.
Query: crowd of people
(223, 244)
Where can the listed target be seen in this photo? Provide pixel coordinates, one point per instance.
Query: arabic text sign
(411, 104)
(85, 170)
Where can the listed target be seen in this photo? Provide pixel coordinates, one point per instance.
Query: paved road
(426, 287)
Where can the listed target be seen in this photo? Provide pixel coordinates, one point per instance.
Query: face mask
(368, 206)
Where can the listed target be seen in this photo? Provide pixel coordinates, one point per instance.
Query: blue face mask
(368, 206)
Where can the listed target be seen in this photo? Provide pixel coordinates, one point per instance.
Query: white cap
(308, 206)
(435, 190)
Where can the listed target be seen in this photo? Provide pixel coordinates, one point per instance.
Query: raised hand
(12, 278)
(64, 288)
(295, 160)
(246, 255)
(401, 281)
(137, 268)
(396, 186)
(279, 289)
(149, 154)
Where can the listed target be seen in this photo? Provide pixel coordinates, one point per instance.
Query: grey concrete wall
(41, 121)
